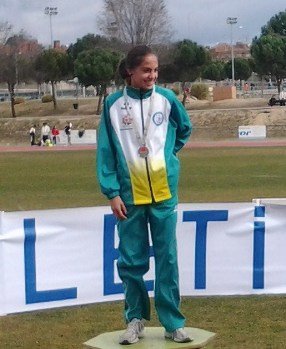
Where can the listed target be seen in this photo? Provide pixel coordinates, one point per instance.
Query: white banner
(77, 137)
(256, 131)
(66, 257)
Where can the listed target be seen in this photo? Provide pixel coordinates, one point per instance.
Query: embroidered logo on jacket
(126, 122)
(158, 118)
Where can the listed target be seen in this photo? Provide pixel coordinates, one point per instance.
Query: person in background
(55, 133)
(282, 97)
(67, 130)
(32, 133)
(45, 133)
(186, 96)
(142, 129)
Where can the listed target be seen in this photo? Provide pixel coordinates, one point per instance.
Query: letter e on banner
(110, 255)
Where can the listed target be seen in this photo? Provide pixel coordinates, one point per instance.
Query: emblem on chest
(126, 122)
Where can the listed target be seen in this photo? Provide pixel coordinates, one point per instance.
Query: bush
(47, 98)
(200, 91)
(19, 100)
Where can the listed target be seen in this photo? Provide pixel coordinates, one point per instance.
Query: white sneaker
(133, 332)
(179, 336)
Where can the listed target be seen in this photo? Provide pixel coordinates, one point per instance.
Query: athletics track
(193, 144)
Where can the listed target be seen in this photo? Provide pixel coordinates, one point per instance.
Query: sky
(202, 21)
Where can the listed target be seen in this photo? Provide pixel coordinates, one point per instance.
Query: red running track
(192, 144)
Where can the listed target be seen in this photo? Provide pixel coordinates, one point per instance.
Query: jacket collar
(137, 93)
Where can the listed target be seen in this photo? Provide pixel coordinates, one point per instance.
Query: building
(222, 51)
(59, 47)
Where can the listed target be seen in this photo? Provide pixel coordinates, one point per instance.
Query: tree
(269, 54)
(135, 21)
(242, 69)
(189, 60)
(5, 32)
(53, 66)
(214, 71)
(9, 63)
(91, 41)
(276, 25)
(16, 58)
(96, 67)
(167, 68)
(269, 50)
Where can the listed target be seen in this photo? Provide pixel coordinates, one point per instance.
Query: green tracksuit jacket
(120, 169)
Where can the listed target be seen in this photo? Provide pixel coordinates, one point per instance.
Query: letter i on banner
(258, 247)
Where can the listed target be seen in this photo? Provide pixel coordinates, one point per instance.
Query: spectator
(55, 133)
(245, 87)
(67, 130)
(186, 95)
(45, 132)
(282, 97)
(32, 133)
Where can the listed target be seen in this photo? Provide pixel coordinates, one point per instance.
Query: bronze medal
(143, 151)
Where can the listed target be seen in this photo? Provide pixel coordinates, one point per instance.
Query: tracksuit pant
(133, 262)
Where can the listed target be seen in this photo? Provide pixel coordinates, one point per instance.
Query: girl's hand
(118, 208)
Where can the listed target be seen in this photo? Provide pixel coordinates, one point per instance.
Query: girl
(141, 130)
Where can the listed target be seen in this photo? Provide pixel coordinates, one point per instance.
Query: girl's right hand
(118, 208)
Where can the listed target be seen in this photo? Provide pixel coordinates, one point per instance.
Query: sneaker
(179, 336)
(133, 332)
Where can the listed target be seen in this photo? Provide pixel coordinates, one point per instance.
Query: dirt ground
(222, 119)
(211, 120)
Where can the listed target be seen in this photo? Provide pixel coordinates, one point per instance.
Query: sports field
(42, 180)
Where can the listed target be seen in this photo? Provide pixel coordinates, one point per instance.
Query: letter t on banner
(202, 218)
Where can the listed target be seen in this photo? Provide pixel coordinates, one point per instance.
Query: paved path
(238, 143)
(26, 148)
(193, 144)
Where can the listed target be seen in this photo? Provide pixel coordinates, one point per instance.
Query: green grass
(43, 180)
(232, 175)
(240, 323)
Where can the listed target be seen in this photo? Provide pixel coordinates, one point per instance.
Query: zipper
(146, 161)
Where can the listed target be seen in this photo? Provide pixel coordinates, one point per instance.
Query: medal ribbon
(141, 140)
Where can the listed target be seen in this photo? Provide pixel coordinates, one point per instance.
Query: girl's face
(145, 75)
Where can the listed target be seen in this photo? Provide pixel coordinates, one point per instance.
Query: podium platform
(153, 339)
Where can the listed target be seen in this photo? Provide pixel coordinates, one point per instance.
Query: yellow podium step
(153, 339)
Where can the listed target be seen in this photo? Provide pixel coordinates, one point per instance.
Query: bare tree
(136, 21)
(16, 58)
(5, 32)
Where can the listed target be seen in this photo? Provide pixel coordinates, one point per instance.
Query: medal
(143, 151)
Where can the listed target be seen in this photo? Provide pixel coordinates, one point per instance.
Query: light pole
(231, 21)
(51, 11)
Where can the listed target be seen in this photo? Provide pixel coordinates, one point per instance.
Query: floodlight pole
(231, 21)
(51, 11)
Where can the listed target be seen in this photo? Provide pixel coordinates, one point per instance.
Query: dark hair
(133, 59)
